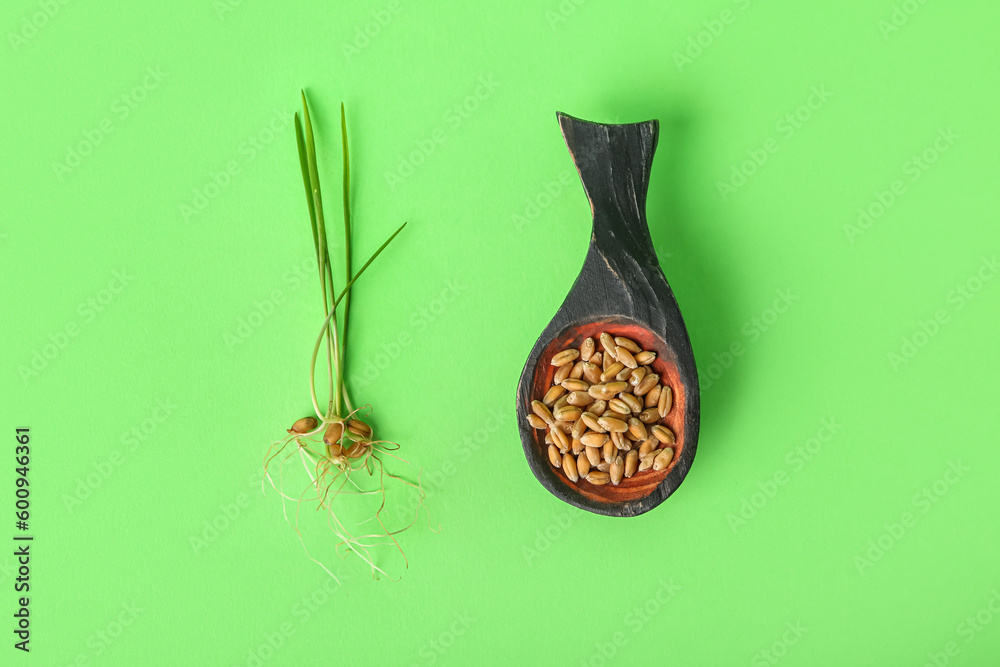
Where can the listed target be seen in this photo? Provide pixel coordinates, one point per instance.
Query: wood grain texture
(621, 289)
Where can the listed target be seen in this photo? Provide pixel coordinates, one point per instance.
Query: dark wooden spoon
(622, 290)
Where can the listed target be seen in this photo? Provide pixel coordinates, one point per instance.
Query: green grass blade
(324, 330)
(323, 251)
(304, 163)
(316, 191)
(330, 316)
(370, 260)
(347, 231)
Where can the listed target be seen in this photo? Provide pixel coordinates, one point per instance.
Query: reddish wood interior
(642, 483)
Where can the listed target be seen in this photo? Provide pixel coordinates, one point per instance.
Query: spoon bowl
(621, 290)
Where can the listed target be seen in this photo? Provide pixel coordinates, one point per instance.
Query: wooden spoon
(622, 290)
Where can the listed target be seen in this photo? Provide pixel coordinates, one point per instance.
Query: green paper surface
(824, 205)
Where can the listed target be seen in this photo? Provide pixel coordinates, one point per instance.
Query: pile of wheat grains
(603, 412)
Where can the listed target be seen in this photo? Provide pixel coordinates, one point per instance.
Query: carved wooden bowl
(622, 290)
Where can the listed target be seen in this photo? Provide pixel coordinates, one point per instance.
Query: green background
(789, 543)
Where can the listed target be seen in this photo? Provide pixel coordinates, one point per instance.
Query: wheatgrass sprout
(346, 468)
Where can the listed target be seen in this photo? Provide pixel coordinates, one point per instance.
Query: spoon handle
(614, 162)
